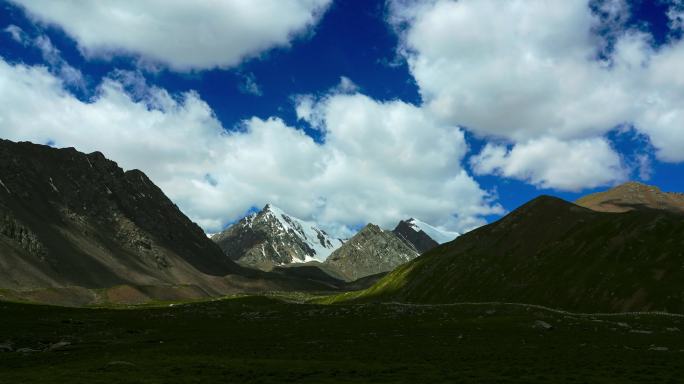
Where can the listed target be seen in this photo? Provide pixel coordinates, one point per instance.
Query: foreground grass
(268, 340)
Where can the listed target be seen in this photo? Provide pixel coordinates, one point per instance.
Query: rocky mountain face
(633, 195)
(75, 229)
(371, 251)
(272, 238)
(417, 238)
(422, 236)
(557, 254)
(67, 218)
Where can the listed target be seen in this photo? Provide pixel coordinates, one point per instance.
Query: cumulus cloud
(535, 70)
(183, 35)
(551, 163)
(397, 159)
(379, 162)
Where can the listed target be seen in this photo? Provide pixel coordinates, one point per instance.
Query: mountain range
(272, 238)
(76, 226)
(76, 229)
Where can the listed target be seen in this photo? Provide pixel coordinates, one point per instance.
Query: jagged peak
(275, 210)
(370, 227)
(280, 226)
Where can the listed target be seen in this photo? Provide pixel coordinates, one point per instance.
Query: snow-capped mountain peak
(308, 231)
(272, 237)
(439, 235)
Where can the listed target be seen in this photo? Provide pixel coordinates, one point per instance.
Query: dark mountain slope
(67, 218)
(418, 238)
(554, 253)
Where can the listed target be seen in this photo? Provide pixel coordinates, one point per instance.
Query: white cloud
(551, 163)
(304, 108)
(16, 33)
(380, 162)
(525, 71)
(346, 86)
(184, 35)
(249, 85)
(51, 55)
(644, 167)
(676, 15)
(518, 69)
(394, 160)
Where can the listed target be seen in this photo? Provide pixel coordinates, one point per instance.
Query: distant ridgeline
(273, 238)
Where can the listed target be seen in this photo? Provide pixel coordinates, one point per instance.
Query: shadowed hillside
(68, 218)
(553, 253)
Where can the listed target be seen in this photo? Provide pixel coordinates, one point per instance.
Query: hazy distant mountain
(557, 254)
(371, 251)
(422, 236)
(67, 218)
(272, 238)
(631, 195)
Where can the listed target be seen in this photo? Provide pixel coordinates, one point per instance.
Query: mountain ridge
(553, 253)
(633, 195)
(272, 238)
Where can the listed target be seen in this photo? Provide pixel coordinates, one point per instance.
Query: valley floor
(268, 340)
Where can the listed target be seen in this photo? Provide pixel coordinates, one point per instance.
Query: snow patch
(307, 259)
(4, 186)
(52, 184)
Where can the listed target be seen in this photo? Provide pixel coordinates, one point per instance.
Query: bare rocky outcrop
(371, 251)
(24, 237)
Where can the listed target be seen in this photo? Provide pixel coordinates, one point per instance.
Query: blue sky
(379, 60)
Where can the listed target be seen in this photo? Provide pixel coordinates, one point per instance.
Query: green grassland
(281, 340)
